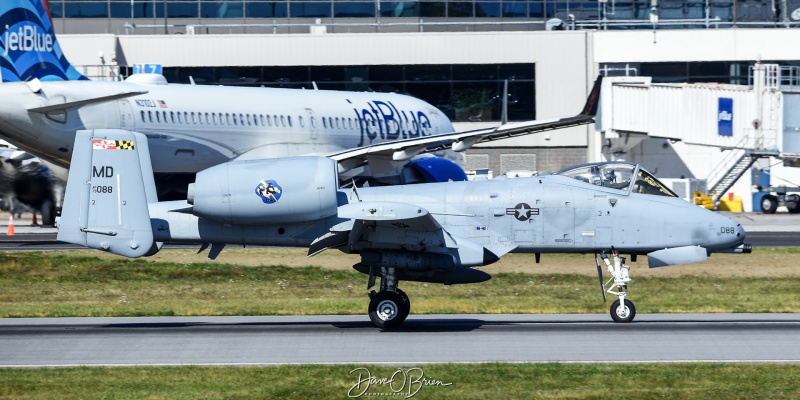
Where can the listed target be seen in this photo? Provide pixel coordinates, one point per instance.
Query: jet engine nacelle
(270, 191)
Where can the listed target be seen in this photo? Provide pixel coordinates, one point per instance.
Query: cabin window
(261, 116)
(164, 113)
(289, 119)
(180, 119)
(324, 122)
(150, 116)
(186, 116)
(228, 118)
(172, 116)
(194, 118)
(158, 117)
(249, 120)
(283, 120)
(143, 120)
(300, 120)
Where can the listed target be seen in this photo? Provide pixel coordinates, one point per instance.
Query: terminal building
(458, 55)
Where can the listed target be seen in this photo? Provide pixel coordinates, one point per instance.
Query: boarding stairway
(734, 165)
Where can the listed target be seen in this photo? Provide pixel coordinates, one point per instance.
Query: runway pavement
(423, 339)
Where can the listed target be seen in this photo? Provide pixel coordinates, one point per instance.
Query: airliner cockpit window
(613, 175)
(648, 184)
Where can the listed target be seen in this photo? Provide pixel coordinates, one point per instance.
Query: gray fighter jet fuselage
(434, 232)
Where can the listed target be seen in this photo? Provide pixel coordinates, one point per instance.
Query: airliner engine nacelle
(270, 191)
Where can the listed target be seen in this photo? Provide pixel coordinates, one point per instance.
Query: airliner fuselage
(192, 127)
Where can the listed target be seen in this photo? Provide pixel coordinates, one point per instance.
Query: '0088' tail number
(102, 189)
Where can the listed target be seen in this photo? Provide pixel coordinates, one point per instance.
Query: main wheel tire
(48, 211)
(769, 204)
(623, 314)
(407, 301)
(793, 207)
(387, 310)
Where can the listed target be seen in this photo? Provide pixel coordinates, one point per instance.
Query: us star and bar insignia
(522, 211)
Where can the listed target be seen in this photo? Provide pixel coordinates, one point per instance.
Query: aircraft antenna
(314, 84)
(191, 80)
(355, 190)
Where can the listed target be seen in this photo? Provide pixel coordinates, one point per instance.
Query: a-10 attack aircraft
(430, 232)
(44, 100)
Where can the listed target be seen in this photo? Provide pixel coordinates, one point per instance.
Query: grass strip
(38, 284)
(468, 381)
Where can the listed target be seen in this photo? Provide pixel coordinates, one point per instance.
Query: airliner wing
(86, 101)
(401, 150)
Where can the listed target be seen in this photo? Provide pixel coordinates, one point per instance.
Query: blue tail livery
(29, 46)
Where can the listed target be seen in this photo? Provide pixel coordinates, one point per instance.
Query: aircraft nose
(730, 234)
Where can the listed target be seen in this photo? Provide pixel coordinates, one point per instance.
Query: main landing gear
(622, 309)
(388, 308)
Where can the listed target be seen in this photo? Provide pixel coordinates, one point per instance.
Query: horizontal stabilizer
(106, 201)
(677, 256)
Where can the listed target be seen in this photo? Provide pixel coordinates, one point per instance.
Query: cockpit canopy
(623, 176)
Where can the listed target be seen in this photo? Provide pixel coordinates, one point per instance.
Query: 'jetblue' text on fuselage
(382, 119)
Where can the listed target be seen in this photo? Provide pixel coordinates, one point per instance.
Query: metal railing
(420, 25)
(100, 72)
(778, 76)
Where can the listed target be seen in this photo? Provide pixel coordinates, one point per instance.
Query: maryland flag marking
(101, 144)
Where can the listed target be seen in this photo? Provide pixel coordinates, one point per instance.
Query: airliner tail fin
(28, 46)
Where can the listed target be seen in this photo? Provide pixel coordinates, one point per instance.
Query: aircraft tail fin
(109, 187)
(29, 46)
(590, 108)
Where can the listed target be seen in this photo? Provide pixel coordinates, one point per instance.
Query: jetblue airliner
(44, 100)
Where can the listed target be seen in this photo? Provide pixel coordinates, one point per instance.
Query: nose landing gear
(622, 309)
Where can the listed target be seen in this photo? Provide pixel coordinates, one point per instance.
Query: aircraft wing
(86, 101)
(405, 149)
(402, 230)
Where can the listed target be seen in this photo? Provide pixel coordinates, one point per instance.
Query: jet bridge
(749, 122)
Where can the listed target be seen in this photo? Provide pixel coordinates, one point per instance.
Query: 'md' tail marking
(28, 45)
(107, 196)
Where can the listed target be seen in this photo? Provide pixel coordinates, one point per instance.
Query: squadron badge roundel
(269, 191)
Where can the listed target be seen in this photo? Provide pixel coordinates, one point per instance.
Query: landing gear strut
(388, 308)
(622, 309)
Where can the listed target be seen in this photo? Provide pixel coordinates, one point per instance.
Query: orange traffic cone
(10, 225)
(34, 222)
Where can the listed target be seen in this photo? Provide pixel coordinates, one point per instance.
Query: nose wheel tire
(388, 310)
(623, 314)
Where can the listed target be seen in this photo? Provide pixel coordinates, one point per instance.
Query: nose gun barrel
(740, 249)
